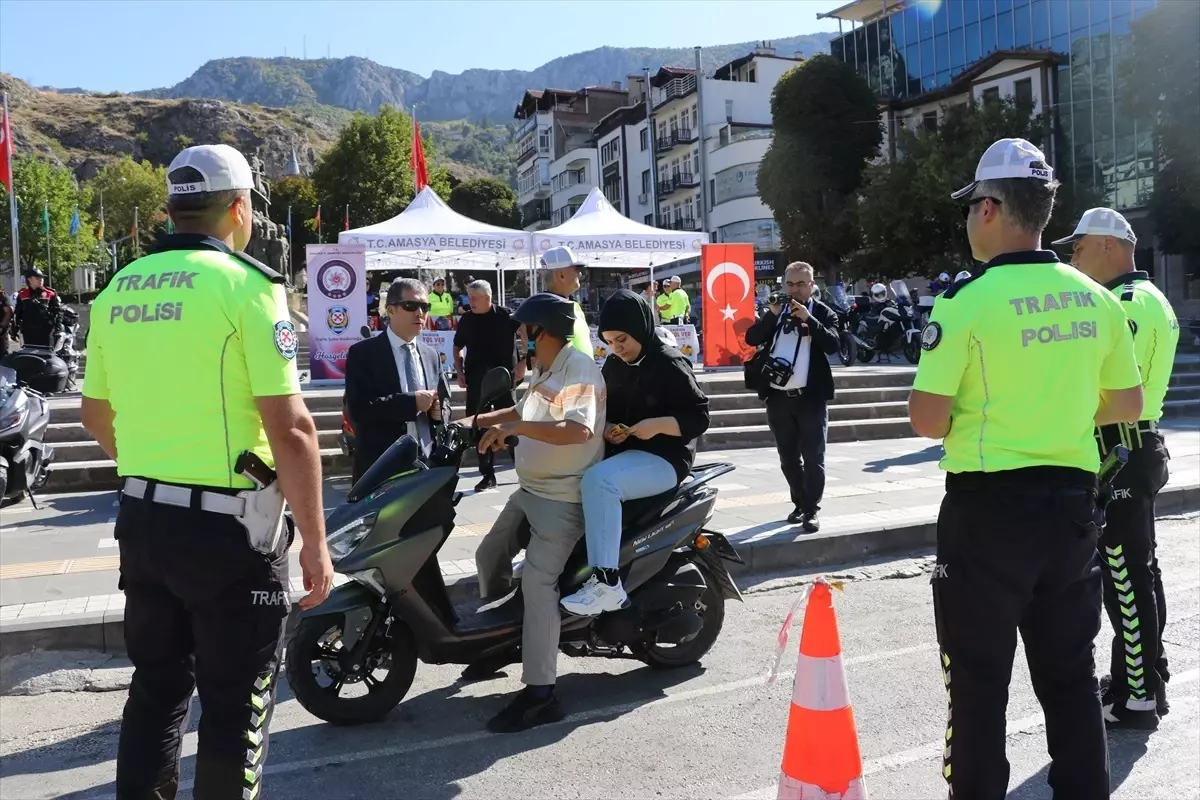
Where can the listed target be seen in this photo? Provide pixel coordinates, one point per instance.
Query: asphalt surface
(713, 731)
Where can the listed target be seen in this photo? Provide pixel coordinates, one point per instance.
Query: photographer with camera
(795, 336)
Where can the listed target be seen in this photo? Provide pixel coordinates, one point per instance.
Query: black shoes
(1162, 706)
(527, 711)
(808, 519)
(488, 482)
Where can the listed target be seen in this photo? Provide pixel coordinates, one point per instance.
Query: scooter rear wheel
(316, 648)
(712, 610)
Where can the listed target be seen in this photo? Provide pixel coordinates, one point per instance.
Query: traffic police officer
(1020, 361)
(441, 306)
(38, 310)
(192, 388)
(562, 268)
(1104, 244)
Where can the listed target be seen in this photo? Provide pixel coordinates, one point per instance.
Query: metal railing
(673, 90)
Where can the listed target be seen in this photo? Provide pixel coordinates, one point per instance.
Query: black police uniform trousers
(487, 461)
(203, 610)
(800, 424)
(1133, 590)
(1016, 552)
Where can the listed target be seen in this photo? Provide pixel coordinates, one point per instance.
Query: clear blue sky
(108, 45)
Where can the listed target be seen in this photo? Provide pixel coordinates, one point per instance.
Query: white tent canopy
(431, 235)
(602, 237)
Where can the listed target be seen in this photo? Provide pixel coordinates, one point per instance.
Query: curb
(105, 631)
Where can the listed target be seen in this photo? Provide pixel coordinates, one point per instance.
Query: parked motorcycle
(64, 343)
(24, 455)
(396, 609)
(841, 304)
(895, 327)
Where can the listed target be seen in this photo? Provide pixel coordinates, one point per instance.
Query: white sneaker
(596, 597)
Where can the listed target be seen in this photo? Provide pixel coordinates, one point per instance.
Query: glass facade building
(922, 45)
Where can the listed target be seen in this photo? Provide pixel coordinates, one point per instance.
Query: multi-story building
(729, 116)
(1064, 57)
(627, 156)
(557, 157)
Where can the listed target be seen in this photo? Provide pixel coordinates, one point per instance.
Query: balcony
(676, 182)
(674, 138)
(530, 150)
(679, 223)
(673, 90)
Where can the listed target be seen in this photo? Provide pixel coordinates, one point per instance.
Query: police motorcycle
(353, 658)
(877, 334)
(65, 341)
(24, 456)
(841, 304)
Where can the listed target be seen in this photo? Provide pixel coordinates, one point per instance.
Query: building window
(991, 95)
(649, 220)
(929, 121)
(644, 138)
(752, 74)
(729, 110)
(696, 163)
(1023, 91)
(544, 141)
(646, 181)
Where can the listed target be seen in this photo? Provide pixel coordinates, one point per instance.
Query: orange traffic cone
(820, 755)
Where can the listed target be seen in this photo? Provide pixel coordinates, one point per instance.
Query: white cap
(1008, 158)
(222, 168)
(560, 258)
(676, 279)
(1101, 222)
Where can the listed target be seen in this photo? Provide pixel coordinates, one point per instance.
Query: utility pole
(653, 138)
(700, 143)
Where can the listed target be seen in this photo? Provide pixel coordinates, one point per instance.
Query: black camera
(776, 372)
(777, 299)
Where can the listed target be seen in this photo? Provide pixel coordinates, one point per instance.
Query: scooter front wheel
(349, 695)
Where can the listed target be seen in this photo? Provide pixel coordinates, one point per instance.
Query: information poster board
(337, 306)
(685, 336)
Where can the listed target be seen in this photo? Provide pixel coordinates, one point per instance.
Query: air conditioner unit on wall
(643, 198)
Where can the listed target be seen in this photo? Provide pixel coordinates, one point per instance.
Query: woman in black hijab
(656, 411)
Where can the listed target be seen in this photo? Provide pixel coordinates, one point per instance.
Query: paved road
(62, 559)
(715, 731)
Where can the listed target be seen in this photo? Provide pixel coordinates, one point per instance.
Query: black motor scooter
(367, 637)
(24, 455)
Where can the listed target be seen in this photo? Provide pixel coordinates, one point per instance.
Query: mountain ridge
(359, 84)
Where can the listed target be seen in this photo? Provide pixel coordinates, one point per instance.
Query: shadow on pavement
(420, 750)
(1125, 747)
(66, 511)
(933, 452)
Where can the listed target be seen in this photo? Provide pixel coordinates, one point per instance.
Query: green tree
(369, 169)
(297, 193)
(909, 223)
(38, 182)
(1162, 78)
(124, 185)
(487, 200)
(826, 122)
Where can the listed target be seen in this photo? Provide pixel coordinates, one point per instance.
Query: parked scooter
(64, 343)
(24, 455)
(396, 609)
(841, 304)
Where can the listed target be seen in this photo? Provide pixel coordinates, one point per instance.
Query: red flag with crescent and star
(728, 285)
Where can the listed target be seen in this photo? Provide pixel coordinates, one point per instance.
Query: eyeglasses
(974, 201)
(798, 284)
(411, 305)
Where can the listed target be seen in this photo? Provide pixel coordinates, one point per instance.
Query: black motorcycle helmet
(547, 312)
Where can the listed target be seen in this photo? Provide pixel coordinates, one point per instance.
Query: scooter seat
(636, 513)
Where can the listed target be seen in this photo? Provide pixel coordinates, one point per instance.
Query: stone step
(71, 452)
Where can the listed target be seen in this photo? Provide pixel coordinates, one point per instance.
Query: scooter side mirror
(496, 382)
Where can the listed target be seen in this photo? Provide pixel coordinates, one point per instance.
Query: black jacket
(822, 326)
(661, 385)
(379, 411)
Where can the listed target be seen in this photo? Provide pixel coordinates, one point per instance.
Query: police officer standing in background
(37, 310)
(1136, 696)
(561, 274)
(192, 389)
(1020, 362)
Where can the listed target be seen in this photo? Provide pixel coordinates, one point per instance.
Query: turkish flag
(728, 273)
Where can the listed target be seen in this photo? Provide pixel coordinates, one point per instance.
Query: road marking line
(934, 749)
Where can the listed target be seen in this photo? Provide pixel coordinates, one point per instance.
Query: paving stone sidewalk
(61, 560)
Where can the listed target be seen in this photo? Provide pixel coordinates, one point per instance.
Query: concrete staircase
(871, 403)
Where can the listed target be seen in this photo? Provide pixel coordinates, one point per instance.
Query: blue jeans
(626, 476)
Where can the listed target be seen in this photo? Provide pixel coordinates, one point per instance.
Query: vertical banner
(337, 306)
(728, 284)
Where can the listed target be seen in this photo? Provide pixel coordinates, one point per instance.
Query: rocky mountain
(476, 94)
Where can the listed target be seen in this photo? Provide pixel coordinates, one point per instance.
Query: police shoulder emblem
(285, 339)
(931, 336)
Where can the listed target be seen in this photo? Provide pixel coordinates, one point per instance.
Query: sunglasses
(966, 207)
(412, 305)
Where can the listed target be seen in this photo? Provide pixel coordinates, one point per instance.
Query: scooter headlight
(14, 417)
(347, 537)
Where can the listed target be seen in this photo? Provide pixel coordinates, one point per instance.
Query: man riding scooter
(558, 423)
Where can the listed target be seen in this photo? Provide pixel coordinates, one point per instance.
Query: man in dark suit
(798, 337)
(394, 382)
